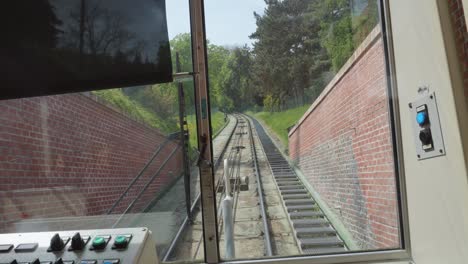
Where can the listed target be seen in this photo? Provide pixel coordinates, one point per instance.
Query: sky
(228, 22)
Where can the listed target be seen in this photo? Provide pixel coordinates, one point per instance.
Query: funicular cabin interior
(266, 131)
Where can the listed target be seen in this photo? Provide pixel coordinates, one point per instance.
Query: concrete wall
(69, 155)
(343, 147)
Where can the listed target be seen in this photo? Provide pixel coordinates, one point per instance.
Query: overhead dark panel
(61, 46)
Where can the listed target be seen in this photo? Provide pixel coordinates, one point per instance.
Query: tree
(162, 98)
(345, 24)
(238, 84)
(218, 57)
(32, 24)
(336, 29)
(288, 53)
(104, 31)
(365, 17)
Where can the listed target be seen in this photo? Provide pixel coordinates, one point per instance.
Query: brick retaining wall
(69, 155)
(343, 146)
(458, 20)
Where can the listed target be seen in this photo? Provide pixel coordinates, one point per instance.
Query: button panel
(32, 248)
(427, 127)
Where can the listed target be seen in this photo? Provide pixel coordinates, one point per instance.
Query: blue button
(111, 261)
(421, 118)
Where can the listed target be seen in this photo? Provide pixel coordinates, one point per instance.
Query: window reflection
(65, 46)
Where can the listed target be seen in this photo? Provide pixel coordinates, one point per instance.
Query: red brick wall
(459, 23)
(343, 146)
(69, 155)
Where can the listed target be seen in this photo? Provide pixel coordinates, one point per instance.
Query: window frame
(212, 249)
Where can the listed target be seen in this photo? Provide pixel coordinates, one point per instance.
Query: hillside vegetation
(279, 122)
(134, 109)
(217, 123)
(298, 46)
(166, 124)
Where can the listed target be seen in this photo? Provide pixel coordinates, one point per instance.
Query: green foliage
(192, 128)
(270, 104)
(182, 44)
(279, 122)
(218, 57)
(217, 123)
(288, 53)
(364, 20)
(345, 26)
(299, 45)
(236, 90)
(299, 42)
(157, 105)
(118, 99)
(339, 42)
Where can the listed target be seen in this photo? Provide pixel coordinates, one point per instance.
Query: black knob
(56, 243)
(77, 242)
(37, 261)
(14, 262)
(425, 136)
(59, 261)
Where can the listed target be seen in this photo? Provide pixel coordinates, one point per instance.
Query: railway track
(171, 250)
(313, 232)
(240, 157)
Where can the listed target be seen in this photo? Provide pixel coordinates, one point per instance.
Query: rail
(313, 232)
(266, 232)
(235, 157)
(195, 204)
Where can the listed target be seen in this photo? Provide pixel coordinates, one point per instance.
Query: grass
(132, 108)
(118, 99)
(217, 122)
(279, 122)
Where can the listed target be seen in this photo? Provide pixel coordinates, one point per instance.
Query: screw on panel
(419, 156)
(432, 97)
(441, 151)
(410, 105)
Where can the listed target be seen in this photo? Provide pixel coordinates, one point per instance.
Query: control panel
(100, 246)
(427, 128)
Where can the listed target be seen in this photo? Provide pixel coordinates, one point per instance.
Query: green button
(99, 242)
(120, 240)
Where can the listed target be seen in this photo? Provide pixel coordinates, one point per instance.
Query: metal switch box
(426, 126)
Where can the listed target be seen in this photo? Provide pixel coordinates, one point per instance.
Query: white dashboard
(99, 246)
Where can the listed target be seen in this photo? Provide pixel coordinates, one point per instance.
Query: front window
(99, 136)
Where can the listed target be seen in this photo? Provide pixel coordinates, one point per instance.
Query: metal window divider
(202, 106)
